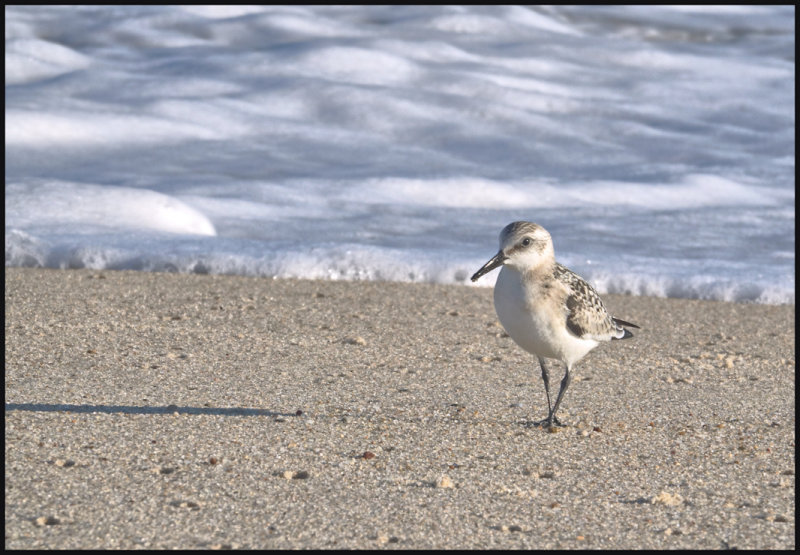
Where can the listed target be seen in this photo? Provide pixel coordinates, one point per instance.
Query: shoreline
(200, 411)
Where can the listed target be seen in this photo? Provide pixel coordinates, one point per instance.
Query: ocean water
(656, 144)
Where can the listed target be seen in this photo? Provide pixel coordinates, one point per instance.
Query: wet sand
(150, 410)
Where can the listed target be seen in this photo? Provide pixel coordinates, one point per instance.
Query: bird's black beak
(498, 260)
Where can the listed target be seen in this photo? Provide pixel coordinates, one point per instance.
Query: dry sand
(152, 410)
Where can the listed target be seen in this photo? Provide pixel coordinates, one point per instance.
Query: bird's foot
(550, 422)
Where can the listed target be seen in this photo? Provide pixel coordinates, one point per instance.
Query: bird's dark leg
(546, 380)
(564, 385)
(547, 422)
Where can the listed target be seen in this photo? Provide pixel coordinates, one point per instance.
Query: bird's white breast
(535, 317)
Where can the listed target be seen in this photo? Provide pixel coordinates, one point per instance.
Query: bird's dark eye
(526, 242)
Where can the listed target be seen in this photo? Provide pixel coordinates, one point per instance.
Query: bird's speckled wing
(587, 317)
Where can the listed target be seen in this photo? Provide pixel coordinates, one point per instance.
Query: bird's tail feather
(625, 333)
(624, 323)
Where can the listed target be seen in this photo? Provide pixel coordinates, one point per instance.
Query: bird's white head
(523, 245)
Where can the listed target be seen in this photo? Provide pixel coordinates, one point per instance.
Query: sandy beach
(152, 410)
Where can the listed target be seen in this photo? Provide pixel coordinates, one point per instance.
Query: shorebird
(547, 309)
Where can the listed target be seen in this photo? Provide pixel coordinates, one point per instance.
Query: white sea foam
(32, 59)
(82, 208)
(656, 144)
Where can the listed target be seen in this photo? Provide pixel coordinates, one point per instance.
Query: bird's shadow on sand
(129, 409)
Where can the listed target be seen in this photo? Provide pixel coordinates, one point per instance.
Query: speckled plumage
(586, 314)
(547, 309)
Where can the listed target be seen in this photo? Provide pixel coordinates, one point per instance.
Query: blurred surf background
(656, 144)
